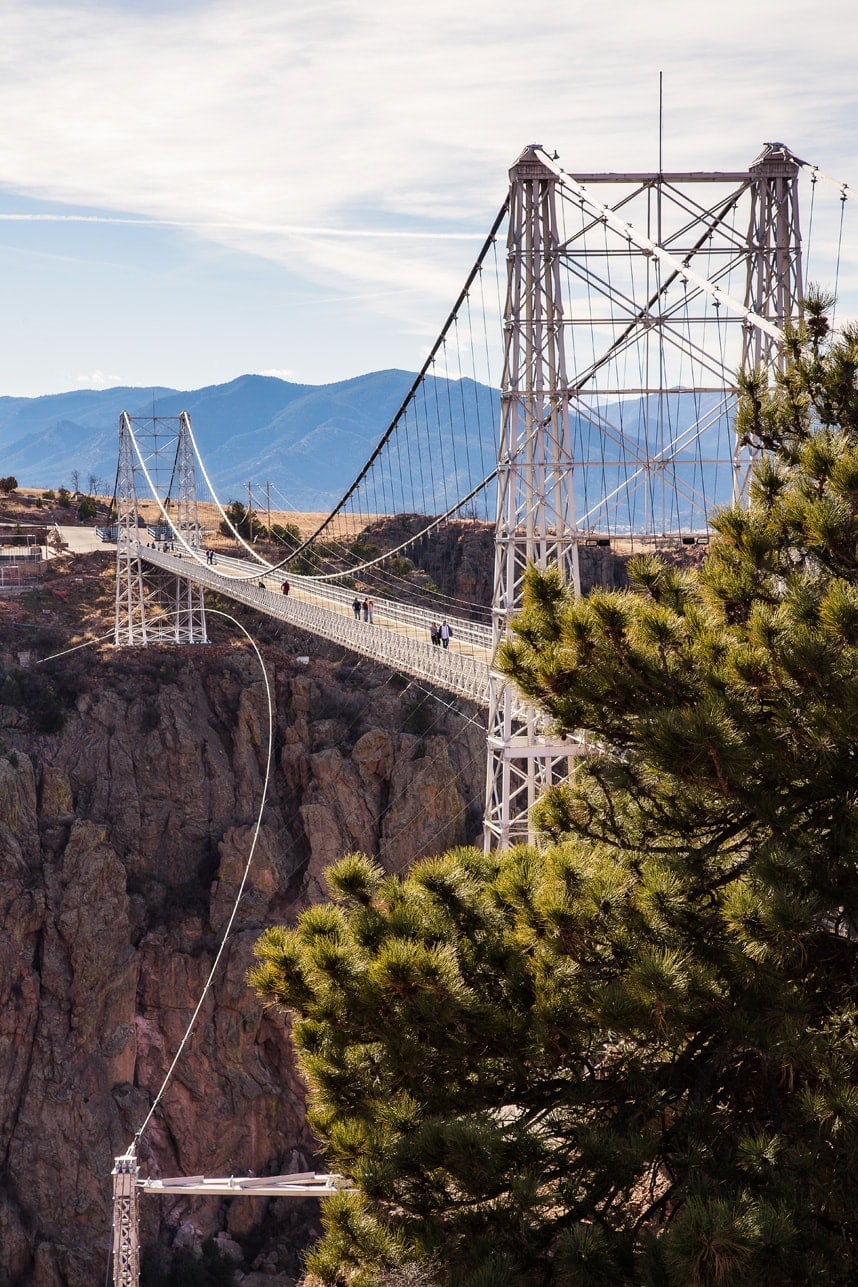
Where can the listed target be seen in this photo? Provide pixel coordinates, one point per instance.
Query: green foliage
(329, 549)
(64, 498)
(8, 485)
(243, 520)
(399, 566)
(288, 534)
(631, 1057)
(87, 508)
(37, 696)
(305, 563)
(365, 551)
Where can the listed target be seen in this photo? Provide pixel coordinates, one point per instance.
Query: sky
(195, 189)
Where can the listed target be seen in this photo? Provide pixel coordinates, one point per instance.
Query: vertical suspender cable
(839, 248)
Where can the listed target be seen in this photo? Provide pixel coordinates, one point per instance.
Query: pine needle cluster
(629, 1057)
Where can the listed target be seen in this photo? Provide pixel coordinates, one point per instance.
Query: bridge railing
(471, 633)
(458, 672)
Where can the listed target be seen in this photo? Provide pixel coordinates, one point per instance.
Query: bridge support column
(536, 509)
(774, 283)
(523, 763)
(153, 606)
(126, 1249)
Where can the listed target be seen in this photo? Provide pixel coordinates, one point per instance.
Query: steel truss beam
(127, 1187)
(774, 280)
(126, 1245)
(676, 292)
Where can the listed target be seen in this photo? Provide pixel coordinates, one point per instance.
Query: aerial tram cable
(130, 1152)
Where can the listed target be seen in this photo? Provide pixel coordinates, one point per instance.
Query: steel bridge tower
(153, 606)
(774, 276)
(537, 519)
(536, 501)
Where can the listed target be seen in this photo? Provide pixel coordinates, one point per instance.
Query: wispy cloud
(232, 118)
(98, 380)
(222, 225)
(363, 147)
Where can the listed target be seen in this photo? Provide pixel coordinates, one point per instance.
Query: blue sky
(300, 189)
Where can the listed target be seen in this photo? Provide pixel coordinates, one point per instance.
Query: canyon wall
(129, 788)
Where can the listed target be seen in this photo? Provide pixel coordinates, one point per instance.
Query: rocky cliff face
(458, 558)
(129, 788)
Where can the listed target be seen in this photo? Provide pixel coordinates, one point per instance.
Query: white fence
(471, 633)
(398, 636)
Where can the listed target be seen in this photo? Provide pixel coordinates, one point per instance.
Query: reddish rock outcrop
(123, 841)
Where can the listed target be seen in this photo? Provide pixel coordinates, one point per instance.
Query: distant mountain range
(310, 441)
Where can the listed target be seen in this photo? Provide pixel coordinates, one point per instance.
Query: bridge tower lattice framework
(536, 510)
(153, 606)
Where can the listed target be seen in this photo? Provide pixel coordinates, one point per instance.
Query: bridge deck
(398, 635)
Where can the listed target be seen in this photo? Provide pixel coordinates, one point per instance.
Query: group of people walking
(440, 635)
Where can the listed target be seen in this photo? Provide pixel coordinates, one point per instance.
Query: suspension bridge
(579, 396)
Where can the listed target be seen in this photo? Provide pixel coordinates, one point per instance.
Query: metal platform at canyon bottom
(304, 1184)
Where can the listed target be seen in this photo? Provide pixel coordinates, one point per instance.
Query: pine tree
(629, 1058)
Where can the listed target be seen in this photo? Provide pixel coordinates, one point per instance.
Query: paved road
(83, 540)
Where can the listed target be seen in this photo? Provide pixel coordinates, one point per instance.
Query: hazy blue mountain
(246, 429)
(310, 442)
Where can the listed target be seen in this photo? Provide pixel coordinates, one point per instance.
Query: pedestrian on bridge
(370, 603)
(356, 608)
(366, 609)
(434, 634)
(445, 634)
(285, 587)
